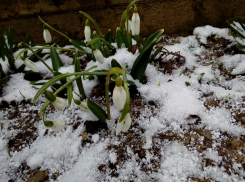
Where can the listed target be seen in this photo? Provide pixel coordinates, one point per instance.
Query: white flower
(58, 125)
(124, 125)
(47, 36)
(83, 106)
(119, 97)
(98, 56)
(129, 25)
(87, 33)
(59, 103)
(135, 25)
(31, 65)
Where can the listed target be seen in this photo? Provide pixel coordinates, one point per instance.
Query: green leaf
(21, 68)
(156, 36)
(120, 38)
(3, 81)
(74, 58)
(61, 76)
(114, 63)
(77, 44)
(28, 41)
(2, 74)
(94, 22)
(97, 110)
(96, 41)
(107, 52)
(155, 53)
(56, 62)
(79, 80)
(69, 92)
(33, 56)
(108, 36)
(142, 60)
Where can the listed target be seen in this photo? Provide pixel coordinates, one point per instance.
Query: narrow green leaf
(94, 22)
(77, 44)
(114, 63)
(142, 61)
(74, 58)
(97, 110)
(96, 41)
(2, 74)
(107, 51)
(59, 77)
(120, 38)
(3, 81)
(156, 36)
(155, 53)
(79, 80)
(33, 56)
(108, 36)
(56, 62)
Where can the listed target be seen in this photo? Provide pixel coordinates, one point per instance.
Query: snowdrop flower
(129, 25)
(119, 95)
(58, 103)
(98, 55)
(46, 35)
(55, 125)
(124, 125)
(82, 105)
(31, 65)
(135, 25)
(87, 31)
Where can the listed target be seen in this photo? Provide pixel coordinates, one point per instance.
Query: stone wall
(177, 17)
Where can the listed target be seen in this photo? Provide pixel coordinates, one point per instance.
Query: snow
(62, 151)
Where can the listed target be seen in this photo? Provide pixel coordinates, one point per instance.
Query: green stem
(57, 78)
(53, 28)
(50, 48)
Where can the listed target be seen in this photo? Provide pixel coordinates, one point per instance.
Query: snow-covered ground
(180, 114)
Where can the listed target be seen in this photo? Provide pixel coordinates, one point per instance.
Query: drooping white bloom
(135, 25)
(119, 97)
(129, 25)
(98, 56)
(124, 125)
(47, 36)
(58, 125)
(59, 103)
(31, 65)
(83, 106)
(87, 33)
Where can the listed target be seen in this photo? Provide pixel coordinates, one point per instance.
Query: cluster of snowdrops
(101, 47)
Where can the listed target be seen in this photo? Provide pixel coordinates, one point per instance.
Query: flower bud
(135, 25)
(124, 125)
(46, 35)
(83, 106)
(87, 31)
(119, 95)
(58, 125)
(58, 103)
(129, 25)
(31, 65)
(98, 56)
